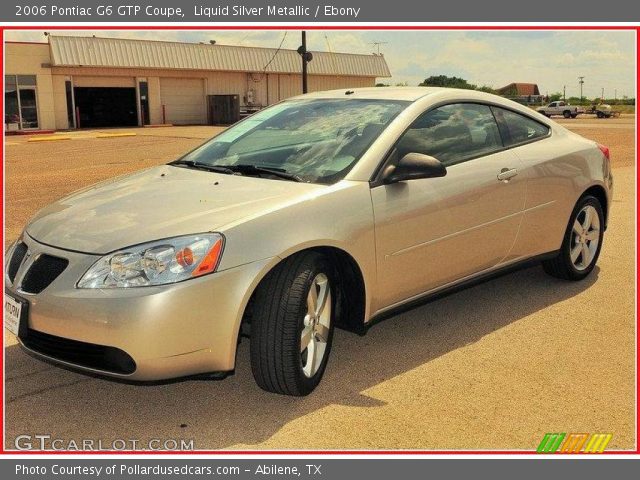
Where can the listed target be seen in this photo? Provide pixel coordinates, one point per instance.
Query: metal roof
(67, 51)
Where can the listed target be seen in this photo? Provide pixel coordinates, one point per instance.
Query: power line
(331, 56)
(326, 39)
(276, 52)
(246, 36)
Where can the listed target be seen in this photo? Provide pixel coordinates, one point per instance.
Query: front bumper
(170, 331)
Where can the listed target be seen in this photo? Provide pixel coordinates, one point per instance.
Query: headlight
(156, 263)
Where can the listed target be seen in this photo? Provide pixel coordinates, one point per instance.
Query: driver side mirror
(414, 166)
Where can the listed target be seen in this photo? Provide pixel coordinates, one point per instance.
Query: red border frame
(319, 27)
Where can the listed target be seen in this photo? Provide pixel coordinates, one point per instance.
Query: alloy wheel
(316, 325)
(585, 237)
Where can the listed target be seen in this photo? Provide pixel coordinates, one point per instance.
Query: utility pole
(564, 93)
(581, 82)
(304, 62)
(615, 96)
(602, 96)
(306, 58)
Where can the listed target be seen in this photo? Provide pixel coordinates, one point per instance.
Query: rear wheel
(292, 327)
(566, 114)
(600, 115)
(582, 242)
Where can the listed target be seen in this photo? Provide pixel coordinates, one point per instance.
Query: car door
(432, 232)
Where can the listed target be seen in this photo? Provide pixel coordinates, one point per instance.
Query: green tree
(445, 81)
(554, 97)
(486, 89)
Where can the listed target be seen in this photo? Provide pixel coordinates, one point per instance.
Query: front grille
(45, 269)
(89, 355)
(19, 252)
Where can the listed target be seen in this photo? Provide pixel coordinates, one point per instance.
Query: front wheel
(292, 325)
(582, 242)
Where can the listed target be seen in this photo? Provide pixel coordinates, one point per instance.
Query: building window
(11, 108)
(21, 107)
(27, 80)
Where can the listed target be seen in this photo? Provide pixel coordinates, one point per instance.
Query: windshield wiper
(245, 169)
(205, 166)
(241, 169)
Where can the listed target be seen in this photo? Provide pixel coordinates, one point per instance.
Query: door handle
(507, 173)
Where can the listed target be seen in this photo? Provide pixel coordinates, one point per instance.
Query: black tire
(566, 114)
(561, 266)
(600, 115)
(277, 323)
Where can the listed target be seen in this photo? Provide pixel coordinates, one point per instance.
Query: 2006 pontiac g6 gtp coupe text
(328, 209)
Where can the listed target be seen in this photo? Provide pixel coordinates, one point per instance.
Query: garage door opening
(106, 106)
(183, 101)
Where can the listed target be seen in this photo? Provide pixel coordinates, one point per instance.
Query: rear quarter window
(517, 129)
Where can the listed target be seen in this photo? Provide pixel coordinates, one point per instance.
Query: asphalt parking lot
(495, 366)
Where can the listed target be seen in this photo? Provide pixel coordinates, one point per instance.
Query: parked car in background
(560, 108)
(327, 210)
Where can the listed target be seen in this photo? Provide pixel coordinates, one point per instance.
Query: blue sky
(551, 59)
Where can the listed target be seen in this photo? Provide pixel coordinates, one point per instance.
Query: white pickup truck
(561, 108)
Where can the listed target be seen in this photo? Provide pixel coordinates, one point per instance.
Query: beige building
(83, 82)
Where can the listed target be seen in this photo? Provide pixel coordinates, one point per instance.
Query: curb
(115, 135)
(49, 139)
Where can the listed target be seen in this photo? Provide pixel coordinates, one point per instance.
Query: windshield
(316, 141)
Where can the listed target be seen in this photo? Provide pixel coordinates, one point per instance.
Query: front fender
(340, 216)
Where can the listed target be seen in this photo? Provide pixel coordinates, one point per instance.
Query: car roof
(379, 93)
(413, 94)
(439, 94)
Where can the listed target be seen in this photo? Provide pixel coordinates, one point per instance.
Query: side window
(516, 128)
(553, 104)
(452, 133)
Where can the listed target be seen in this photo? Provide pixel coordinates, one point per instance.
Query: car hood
(157, 203)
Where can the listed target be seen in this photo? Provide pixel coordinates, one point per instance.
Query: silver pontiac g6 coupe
(326, 210)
